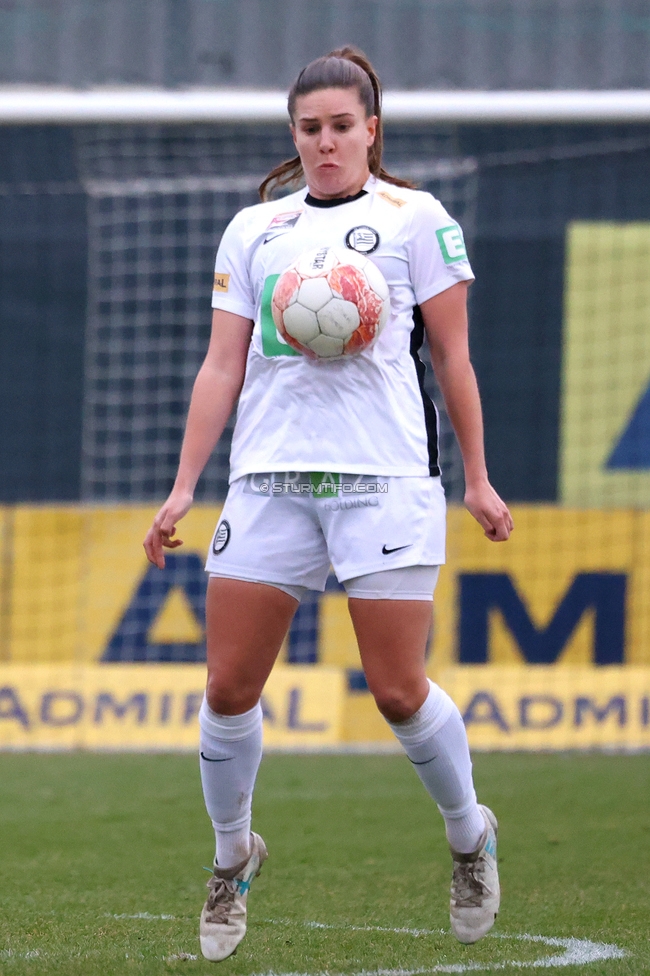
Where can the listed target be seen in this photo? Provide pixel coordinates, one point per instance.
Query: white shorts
(288, 528)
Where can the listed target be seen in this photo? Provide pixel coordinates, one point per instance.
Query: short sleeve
(232, 290)
(436, 250)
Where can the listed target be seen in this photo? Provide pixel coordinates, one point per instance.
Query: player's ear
(292, 129)
(371, 130)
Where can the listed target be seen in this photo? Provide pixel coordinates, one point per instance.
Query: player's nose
(326, 140)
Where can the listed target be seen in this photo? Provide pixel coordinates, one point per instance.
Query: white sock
(435, 741)
(230, 754)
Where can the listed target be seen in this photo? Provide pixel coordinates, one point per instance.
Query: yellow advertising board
(76, 569)
(570, 587)
(78, 587)
(84, 615)
(553, 707)
(605, 423)
(130, 706)
(155, 707)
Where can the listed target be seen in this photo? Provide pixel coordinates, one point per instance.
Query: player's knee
(230, 698)
(396, 704)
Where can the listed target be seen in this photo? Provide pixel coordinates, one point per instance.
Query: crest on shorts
(362, 239)
(281, 223)
(221, 537)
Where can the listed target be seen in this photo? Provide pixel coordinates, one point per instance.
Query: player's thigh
(392, 636)
(245, 624)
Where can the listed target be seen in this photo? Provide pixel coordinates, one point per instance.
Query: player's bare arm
(445, 321)
(217, 386)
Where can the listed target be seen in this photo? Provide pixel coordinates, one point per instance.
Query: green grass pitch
(101, 866)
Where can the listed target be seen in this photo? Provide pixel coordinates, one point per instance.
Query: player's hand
(490, 511)
(161, 534)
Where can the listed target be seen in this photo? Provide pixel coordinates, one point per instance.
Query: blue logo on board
(633, 449)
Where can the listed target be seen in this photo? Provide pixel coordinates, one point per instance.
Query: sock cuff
(436, 710)
(229, 728)
(463, 809)
(234, 826)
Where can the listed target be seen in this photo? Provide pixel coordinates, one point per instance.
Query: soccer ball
(330, 303)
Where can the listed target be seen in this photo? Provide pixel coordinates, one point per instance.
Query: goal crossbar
(130, 105)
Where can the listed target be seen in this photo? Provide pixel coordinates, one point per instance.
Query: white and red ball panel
(330, 303)
(286, 290)
(315, 292)
(299, 324)
(339, 318)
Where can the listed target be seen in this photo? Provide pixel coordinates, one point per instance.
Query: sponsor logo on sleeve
(451, 244)
(221, 282)
(281, 223)
(394, 201)
(363, 239)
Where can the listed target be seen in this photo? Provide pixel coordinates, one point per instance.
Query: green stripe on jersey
(272, 344)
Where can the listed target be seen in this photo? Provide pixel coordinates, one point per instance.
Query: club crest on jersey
(363, 239)
(281, 223)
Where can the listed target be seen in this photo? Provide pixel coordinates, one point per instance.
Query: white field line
(147, 917)
(11, 954)
(577, 952)
(376, 928)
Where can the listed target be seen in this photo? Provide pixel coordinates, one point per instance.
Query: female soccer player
(365, 416)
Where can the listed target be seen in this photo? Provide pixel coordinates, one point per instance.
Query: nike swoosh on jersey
(396, 549)
(207, 758)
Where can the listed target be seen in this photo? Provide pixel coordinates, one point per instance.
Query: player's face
(332, 136)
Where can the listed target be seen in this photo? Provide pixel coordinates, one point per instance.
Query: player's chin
(329, 180)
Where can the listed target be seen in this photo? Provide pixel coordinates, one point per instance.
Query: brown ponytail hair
(347, 67)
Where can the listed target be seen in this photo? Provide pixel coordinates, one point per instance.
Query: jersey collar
(334, 201)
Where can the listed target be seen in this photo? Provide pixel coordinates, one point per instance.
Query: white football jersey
(363, 414)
